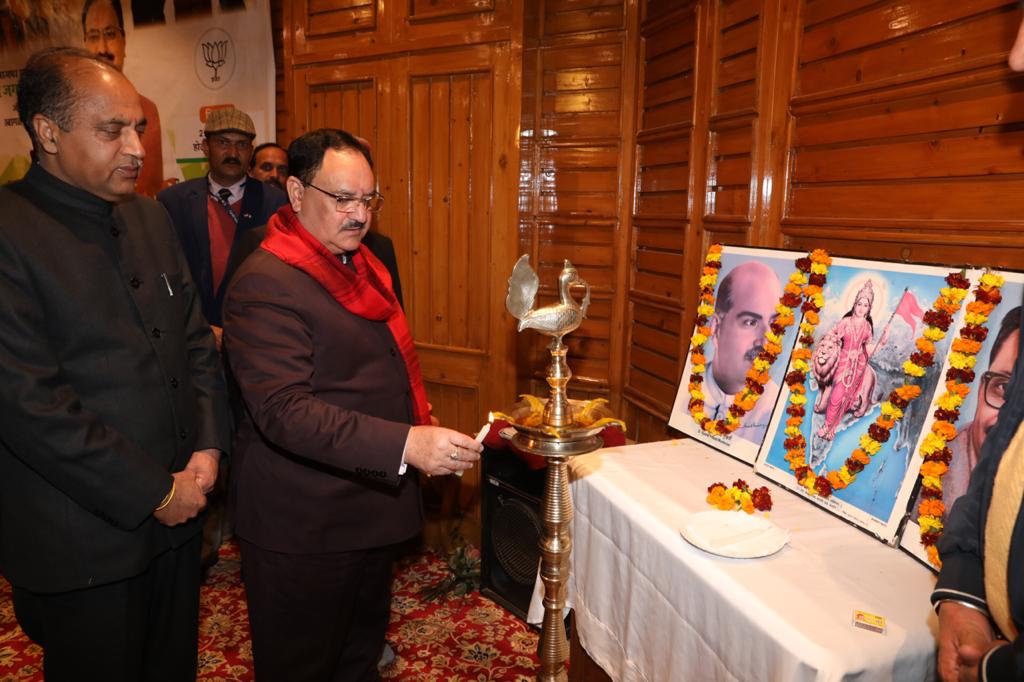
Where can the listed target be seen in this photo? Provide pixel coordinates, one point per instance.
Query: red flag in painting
(909, 309)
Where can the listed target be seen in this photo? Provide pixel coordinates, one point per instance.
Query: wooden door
(456, 164)
(346, 97)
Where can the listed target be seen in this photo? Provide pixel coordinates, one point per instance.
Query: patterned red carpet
(461, 639)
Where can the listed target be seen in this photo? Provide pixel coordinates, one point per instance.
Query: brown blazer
(328, 409)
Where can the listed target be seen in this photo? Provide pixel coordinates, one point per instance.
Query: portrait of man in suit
(103, 32)
(744, 310)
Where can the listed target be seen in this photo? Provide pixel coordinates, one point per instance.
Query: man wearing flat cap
(211, 215)
(213, 212)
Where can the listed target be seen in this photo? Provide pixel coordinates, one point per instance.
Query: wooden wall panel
(421, 23)
(906, 132)
(572, 175)
(318, 26)
(338, 17)
(661, 216)
(346, 97)
(879, 45)
(455, 171)
(282, 107)
(351, 106)
(563, 17)
(734, 106)
(324, 30)
(451, 117)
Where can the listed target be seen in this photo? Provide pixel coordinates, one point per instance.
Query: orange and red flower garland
(804, 284)
(937, 321)
(739, 497)
(959, 377)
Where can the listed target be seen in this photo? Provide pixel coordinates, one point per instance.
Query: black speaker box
(511, 528)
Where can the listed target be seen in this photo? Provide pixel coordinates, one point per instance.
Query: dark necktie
(224, 194)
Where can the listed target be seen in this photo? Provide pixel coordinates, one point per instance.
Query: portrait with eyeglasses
(988, 394)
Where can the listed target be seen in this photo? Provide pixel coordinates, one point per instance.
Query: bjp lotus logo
(214, 55)
(215, 58)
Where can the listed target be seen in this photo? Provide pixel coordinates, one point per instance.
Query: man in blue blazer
(212, 213)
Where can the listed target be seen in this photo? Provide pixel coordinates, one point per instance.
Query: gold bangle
(167, 500)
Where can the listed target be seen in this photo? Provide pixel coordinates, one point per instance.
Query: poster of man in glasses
(981, 408)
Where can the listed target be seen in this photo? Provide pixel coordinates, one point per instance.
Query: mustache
(105, 55)
(354, 225)
(233, 160)
(752, 354)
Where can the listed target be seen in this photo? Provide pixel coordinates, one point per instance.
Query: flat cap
(229, 119)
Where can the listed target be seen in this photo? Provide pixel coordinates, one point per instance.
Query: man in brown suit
(335, 413)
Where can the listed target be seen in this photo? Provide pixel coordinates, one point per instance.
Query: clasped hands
(191, 485)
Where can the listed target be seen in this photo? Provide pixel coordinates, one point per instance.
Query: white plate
(734, 534)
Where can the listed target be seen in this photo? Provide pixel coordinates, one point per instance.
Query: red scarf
(365, 292)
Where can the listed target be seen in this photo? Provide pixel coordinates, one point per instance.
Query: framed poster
(872, 317)
(748, 289)
(979, 410)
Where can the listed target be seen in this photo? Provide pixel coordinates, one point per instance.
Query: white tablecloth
(649, 606)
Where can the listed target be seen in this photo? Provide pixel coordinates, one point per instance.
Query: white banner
(185, 56)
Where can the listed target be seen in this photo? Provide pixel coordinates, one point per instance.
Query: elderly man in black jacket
(113, 413)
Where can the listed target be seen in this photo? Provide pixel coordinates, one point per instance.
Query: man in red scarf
(337, 423)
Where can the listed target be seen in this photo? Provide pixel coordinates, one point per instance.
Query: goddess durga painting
(870, 326)
(845, 379)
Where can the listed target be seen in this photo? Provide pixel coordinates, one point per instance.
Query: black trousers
(142, 629)
(317, 617)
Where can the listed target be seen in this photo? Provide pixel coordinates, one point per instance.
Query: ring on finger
(454, 455)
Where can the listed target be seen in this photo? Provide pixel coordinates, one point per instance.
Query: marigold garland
(891, 411)
(934, 448)
(739, 496)
(805, 284)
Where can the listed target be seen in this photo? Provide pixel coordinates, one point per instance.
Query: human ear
(47, 133)
(295, 191)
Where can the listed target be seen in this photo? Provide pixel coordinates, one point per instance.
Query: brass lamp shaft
(555, 548)
(557, 411)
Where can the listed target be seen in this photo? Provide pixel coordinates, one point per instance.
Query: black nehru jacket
(109, 380)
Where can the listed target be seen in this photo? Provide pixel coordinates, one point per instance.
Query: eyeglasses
(109, 33)
(994, 388)
(348, 203)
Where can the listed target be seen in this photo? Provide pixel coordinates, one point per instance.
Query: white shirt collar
(237, 189)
